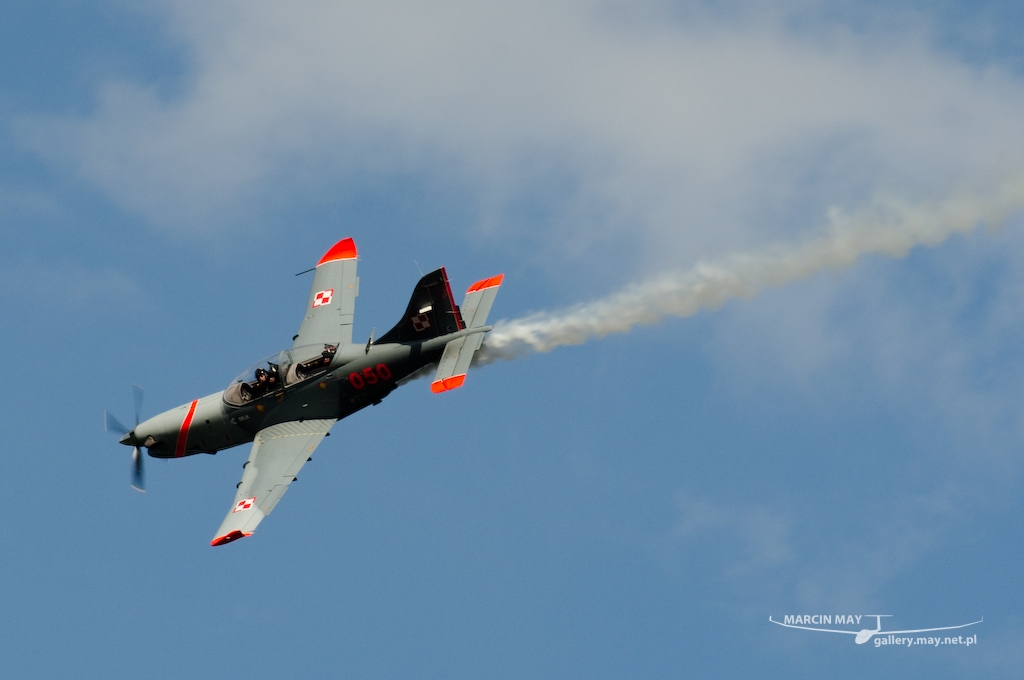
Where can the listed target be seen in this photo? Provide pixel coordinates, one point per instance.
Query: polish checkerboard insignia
(420, 322)
(323, 297)
(244, 504)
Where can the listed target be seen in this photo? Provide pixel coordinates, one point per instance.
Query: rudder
(431, 311)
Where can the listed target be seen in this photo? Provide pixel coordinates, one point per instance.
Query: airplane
(286, 404)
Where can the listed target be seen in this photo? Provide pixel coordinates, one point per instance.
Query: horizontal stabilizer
(479, 298)
(458, 354)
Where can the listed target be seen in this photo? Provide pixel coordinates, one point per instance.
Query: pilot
(260, 386)
(273, 378)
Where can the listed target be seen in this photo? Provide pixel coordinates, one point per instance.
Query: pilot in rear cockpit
(258, 387)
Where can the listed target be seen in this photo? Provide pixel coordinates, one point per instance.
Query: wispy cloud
(693, 131)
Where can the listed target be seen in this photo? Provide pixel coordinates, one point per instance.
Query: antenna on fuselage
(370, 341)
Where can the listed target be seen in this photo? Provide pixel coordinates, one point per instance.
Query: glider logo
(816, 623)
(323, 297)
(244, 504)
(420, 323)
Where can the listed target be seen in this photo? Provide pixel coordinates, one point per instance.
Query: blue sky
(847, 441)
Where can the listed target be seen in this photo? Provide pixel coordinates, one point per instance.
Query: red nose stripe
(179, 449)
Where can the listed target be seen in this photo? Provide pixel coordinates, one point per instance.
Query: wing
(928, 630)
(820, 630)
(332, 298)
(278, 452)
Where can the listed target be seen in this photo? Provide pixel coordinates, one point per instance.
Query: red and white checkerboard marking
(421, 322)
(323, 297)
(244, 504)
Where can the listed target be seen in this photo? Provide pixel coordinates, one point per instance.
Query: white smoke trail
(888, 227)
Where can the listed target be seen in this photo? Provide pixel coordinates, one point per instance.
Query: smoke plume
(887, 227)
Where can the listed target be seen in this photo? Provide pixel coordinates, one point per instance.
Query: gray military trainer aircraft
(286, 404)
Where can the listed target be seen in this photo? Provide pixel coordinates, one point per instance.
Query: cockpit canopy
(279, 372)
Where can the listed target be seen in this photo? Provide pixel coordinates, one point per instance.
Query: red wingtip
(486, 283)
(230, 536)
(446, 384)
(345, 249)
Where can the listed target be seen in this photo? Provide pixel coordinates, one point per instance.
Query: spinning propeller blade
(137, 479)
(112, 424)
(137, 395)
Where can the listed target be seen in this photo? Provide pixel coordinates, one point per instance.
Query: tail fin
(431, 311)
(458, 354)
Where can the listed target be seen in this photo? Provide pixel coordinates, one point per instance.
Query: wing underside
(277, 455)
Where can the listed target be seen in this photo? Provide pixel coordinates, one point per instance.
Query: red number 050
(369, 376)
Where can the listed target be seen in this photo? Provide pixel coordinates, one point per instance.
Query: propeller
(112, 424)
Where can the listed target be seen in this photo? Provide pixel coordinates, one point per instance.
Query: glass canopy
(280, 371)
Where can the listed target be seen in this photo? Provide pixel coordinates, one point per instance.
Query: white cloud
(939, 343)
(695, 133)
(927, 364)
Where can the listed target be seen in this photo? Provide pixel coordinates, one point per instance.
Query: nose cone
(151, 432)
(166, 434)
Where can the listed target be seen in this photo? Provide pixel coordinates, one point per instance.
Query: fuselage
(356, 377)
